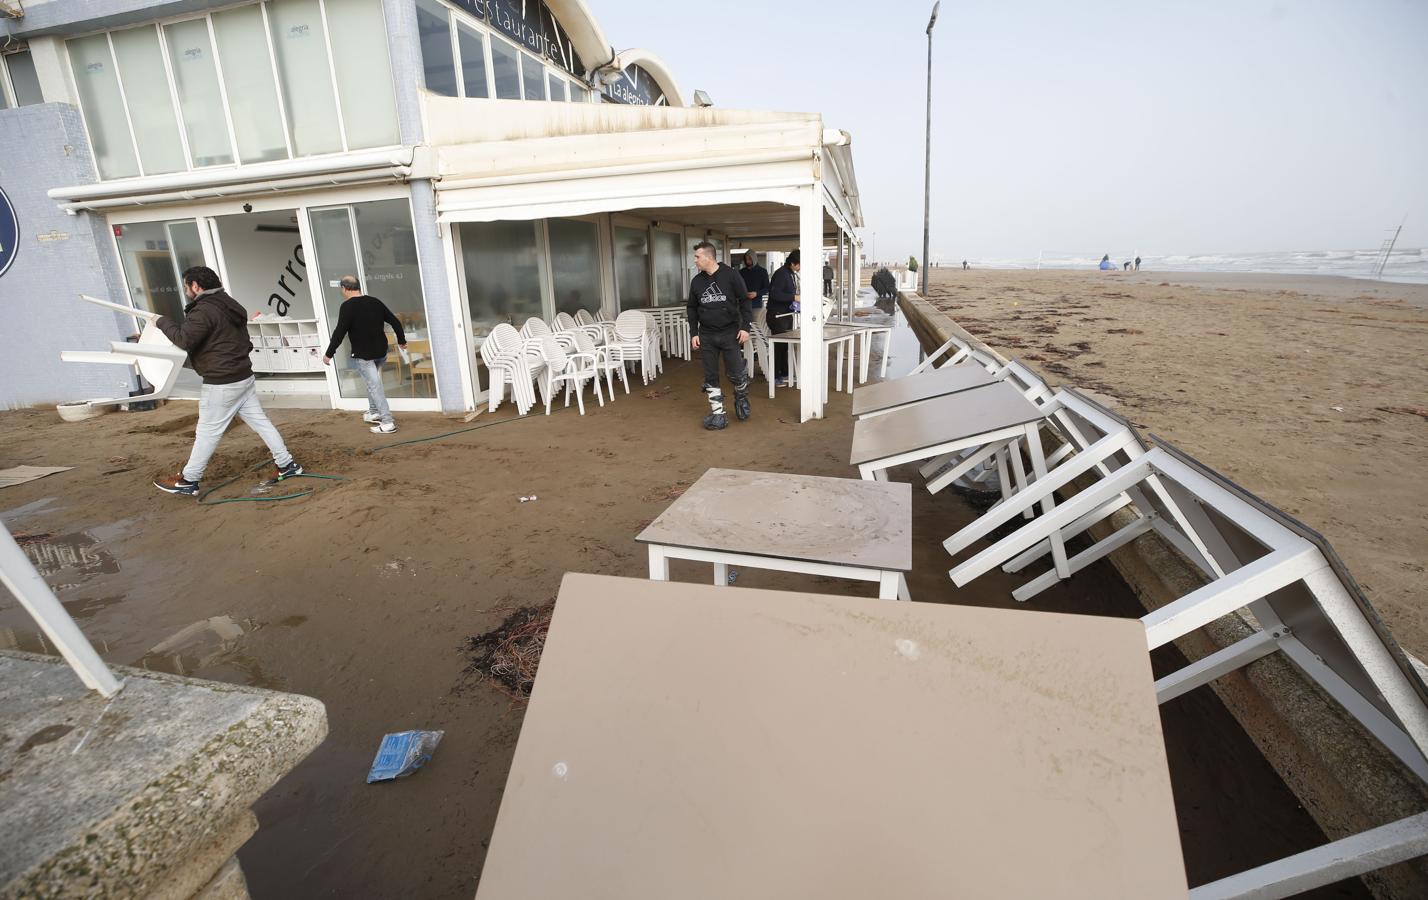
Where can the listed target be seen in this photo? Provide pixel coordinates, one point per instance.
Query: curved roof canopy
(595, 51)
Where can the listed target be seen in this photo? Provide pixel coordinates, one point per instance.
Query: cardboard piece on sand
(22, 474)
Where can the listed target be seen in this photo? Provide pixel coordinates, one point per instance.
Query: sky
(1192, 126)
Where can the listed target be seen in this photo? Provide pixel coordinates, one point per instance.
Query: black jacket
(361, 319)
(756, 279)
(719, 302)
(784, 287)
(215, 334)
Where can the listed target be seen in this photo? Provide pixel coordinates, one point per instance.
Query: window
(248, 77)
(505, 69)
(669, 266)
(98, 86)
(364, 80)
(300, 44)
(23, 79)
(473, 61)
(533, 75)
(434, 32)
(154, 255)
(557, 86)
(504, 277)
(196, 78)
(575, 264)
(632, 266)
(141, 69)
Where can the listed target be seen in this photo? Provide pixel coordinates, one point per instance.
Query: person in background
(719, 315)
(1137, 263)
(756, 279)
(827, 279)
(783, 294)
(215, 334)
(1106, 264)
(965, 267)
(360, 320)
(1126, 265)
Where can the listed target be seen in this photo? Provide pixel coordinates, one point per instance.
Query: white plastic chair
(565, 323)
(537, 328)
(519, 359)
(570, 368)
(603, 363)
(158, 360)
(633, 332)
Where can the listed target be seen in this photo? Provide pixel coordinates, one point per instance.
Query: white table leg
(848, 384)
(867, 337)
(888, 585)
(902, 592)
(867, 473)
(1038, 465)
(838, 370)
(721, 574)
(659, 564)
(887, 345)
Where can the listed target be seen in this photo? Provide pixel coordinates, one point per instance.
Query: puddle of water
(31, 509)
(67, 559)
(113, 530)
(83, 607)
(210, 648)
(30, 640)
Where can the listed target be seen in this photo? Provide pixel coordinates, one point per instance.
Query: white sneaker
(371, 418)
(383, 429)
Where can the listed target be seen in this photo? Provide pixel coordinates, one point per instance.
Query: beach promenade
(1309, 391)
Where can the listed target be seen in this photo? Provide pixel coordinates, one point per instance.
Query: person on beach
(965, 267)
(360, 320)
(1126, 266)
(756, 279)
(1106, 264)
(214, 331)
(783, 295)
(1137, 263)
(719, 322)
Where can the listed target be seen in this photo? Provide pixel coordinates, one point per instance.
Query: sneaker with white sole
(371, 418)
(177, 484)
(383, 429)
(291, 470)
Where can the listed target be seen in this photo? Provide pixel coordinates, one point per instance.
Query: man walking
(361, 319)
(756, 279)
(783, 302)
(827, 279)
(719, 315)
(215, 334)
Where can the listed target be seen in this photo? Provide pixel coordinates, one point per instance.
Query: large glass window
(670, 286)
(306, 78)
(506, 70)
(23, 78)
(632, 266)
(575, 264)
(151, 109)
(504, 277)
(154, 256)
(435, 35)
(364, 78)
(375, 242)
(98, 87)
(248, 78)
(557, 86)
(473, 61)
(196, 77)
(533, 74)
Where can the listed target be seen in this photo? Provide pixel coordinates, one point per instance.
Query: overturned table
(685, 741)
(886, 396)
(839, 527)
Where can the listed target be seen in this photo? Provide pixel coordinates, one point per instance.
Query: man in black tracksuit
(719, 317)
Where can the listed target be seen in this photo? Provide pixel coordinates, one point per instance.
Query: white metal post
(813, 358)
(17, 574)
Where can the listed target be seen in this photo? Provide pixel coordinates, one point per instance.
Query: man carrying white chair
(719, 322)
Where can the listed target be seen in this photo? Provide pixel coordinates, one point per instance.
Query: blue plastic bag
(403, 753)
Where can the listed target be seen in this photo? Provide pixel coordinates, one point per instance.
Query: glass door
(632, 266)
(154, 256)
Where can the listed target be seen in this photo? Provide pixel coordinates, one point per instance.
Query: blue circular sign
(9, 232)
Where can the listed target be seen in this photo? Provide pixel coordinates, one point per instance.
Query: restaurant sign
(530, 24)
(9, 232)
(636, 87)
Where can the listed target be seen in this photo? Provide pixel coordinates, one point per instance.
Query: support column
(813, 359)
(840, 283)
(856, 251)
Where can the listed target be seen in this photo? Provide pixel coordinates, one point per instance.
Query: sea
(1406, 264)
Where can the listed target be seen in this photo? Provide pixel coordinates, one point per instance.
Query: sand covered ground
(1312, 392)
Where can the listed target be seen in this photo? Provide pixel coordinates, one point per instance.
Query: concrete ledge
(143, 795)
(1344, 777)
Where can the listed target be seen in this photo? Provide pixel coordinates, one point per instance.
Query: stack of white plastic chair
(759, 338)
(633, 332)
(537, 328)
(572, 369)
(511, 359)
(603, 362)
(584, 319)
(652, 340)
(565, 323)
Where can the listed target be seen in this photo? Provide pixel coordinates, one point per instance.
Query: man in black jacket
(214, 331)
(361, 319)
(719, 317)
(756, 279)
(783, 294)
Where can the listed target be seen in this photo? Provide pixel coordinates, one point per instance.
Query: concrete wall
(59, 256)
(1344, 777)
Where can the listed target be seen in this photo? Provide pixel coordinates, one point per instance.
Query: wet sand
(1310, 391)
(362, 595)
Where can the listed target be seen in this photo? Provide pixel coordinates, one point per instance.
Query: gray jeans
(217, 405)
(371, 372)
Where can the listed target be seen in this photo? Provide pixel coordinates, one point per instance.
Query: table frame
(892, 583)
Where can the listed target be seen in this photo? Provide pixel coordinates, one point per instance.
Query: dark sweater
(214, 331)
(719, 302)
(361, 319)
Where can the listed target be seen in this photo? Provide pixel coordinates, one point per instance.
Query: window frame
(207, 15)
(456, 18)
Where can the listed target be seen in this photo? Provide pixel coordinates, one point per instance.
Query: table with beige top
(835, 337)
(886, 396)
(839, 527)
(685, 741)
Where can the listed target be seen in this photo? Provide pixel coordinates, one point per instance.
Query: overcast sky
(1195, 126)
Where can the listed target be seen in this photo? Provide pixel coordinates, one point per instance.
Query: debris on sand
(509, 655)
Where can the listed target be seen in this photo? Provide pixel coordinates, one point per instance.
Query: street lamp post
(927, 177)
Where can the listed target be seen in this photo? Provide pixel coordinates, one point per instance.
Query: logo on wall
(9, 232)
(635, 87)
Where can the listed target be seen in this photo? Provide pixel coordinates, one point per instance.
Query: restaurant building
(472, 162)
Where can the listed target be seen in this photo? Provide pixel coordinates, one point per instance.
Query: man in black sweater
(783, 294)
(361, 319)
(719, 317)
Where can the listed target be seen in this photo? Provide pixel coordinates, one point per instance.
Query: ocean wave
(1405, 264)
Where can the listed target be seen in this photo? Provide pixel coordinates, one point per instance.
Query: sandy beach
(1312, 392)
